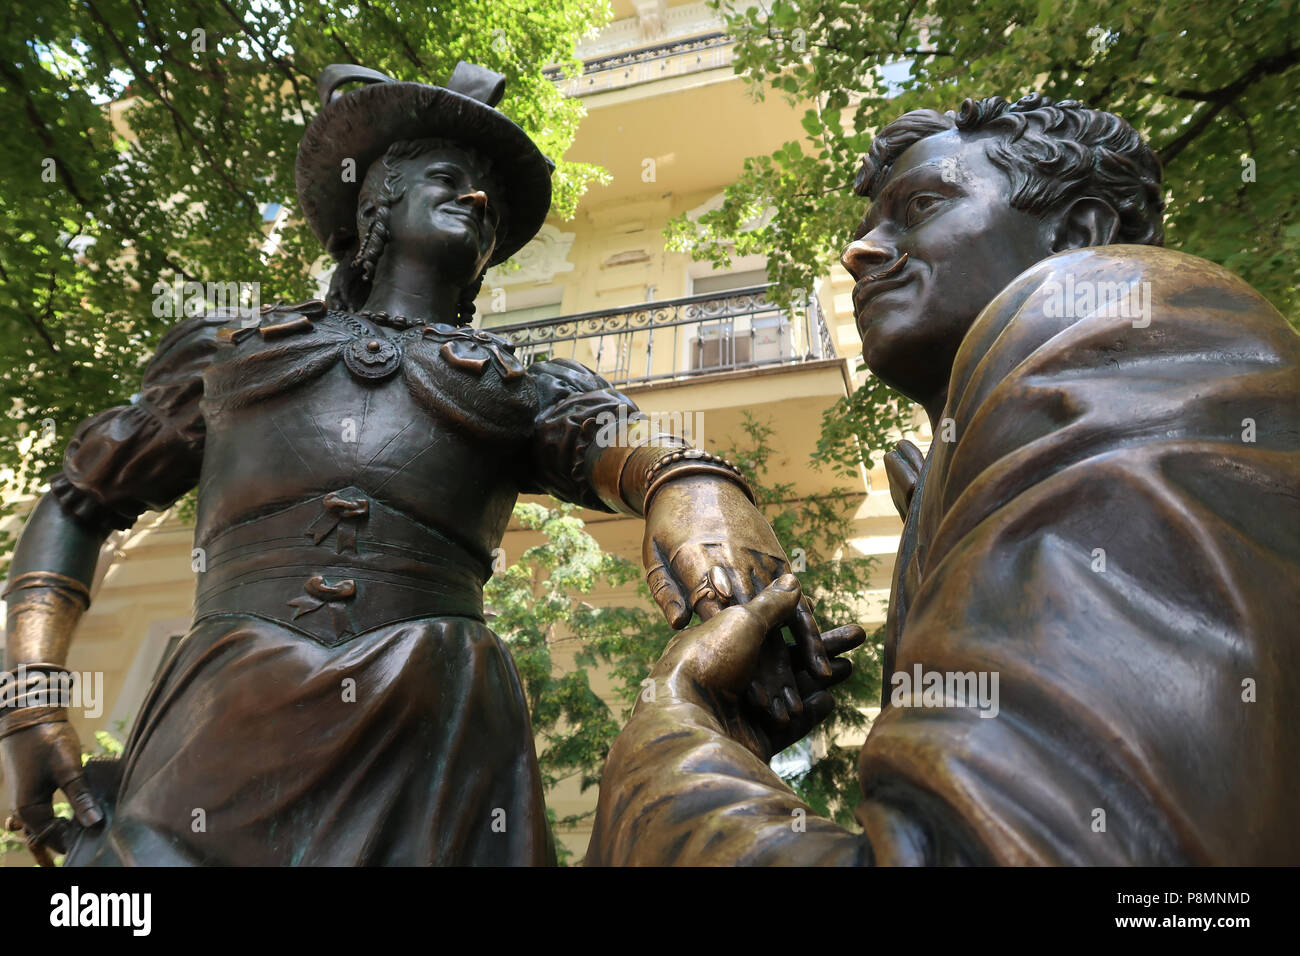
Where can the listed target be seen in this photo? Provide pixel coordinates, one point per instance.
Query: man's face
(446, 215)
(939, 242)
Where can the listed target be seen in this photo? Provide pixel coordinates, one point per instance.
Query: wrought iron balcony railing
(679, 339)
(672, 58)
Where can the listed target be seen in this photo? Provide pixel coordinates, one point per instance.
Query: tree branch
(1223, 97)
(181, 125)
(32, 320)
(397, 32)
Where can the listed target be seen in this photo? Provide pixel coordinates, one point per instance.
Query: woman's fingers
(84, 806)
(663, 588)
(793, 701)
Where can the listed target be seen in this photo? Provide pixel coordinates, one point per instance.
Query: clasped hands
(709, 551)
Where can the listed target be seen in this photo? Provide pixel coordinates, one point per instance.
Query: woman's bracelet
(40, 667)
(691, 461)
(47, 696)
(11, 723)
(22, 684)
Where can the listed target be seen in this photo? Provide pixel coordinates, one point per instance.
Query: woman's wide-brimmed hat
(361, 124)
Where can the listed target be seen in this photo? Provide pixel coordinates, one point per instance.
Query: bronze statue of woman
(339, 698)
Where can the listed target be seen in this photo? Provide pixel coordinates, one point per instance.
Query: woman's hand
(713, 663)
(37, 761)
(706, 548)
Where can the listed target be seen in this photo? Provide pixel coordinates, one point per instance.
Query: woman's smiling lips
(471, 214)
(464, 212)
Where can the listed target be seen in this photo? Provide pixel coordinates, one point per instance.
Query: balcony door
(737, 341)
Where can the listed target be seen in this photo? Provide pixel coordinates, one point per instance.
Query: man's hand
(706, 548)
(37, 761)
(903, 466)
(721, 656)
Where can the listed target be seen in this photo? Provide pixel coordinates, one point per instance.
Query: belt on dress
(337, 566)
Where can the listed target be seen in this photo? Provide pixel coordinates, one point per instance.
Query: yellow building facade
(695, 346)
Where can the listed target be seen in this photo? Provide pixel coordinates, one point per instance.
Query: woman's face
(447, 215)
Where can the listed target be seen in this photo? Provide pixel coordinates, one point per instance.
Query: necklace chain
(399, 322)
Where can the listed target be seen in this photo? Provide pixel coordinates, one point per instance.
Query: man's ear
(1087, 221)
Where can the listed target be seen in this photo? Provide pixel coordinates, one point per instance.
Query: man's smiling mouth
(873, 285)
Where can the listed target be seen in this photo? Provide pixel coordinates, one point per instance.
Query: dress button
(372, 345)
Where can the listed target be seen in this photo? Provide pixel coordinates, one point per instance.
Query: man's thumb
(777, 602)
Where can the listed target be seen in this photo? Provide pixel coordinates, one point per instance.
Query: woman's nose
(862, 257)
(476, 198)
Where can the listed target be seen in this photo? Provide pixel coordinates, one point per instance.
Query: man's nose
(863, 257)
(476, 198)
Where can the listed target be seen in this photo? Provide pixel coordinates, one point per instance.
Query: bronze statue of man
(339, 699)
(1105, 533)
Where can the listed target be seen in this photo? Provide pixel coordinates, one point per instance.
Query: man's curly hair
(1053, 153)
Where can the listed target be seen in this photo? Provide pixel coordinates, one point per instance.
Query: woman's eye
(441, 177)
(919, 205)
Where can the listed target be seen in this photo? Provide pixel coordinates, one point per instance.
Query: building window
(737, 341)
(534, 313)
(727, 281)
(152, 655)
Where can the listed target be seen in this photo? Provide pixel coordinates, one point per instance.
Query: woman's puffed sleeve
(145, 455)
(574, 406)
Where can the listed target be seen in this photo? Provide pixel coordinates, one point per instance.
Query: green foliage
(855, 427)
(1207, 87)
(534, 605)
(217, 96)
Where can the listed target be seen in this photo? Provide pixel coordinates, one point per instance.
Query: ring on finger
(715, 586)
(704, 591)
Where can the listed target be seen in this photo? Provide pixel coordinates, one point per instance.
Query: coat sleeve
(1113, 533)
(144, 455)
(575, 406)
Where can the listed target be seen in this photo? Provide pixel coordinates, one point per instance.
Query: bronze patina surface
(1107, 522)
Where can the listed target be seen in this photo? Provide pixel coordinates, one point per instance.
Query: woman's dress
(339, 699)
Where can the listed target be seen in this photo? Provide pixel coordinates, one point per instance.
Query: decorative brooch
(374, 358)
(472, 350)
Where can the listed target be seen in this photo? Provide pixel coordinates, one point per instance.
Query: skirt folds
(410, 745)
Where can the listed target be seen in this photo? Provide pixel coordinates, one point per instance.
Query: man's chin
(883, 330)
(891, 355)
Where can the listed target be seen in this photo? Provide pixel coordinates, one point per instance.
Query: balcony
(678, 340)
(646, 64)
